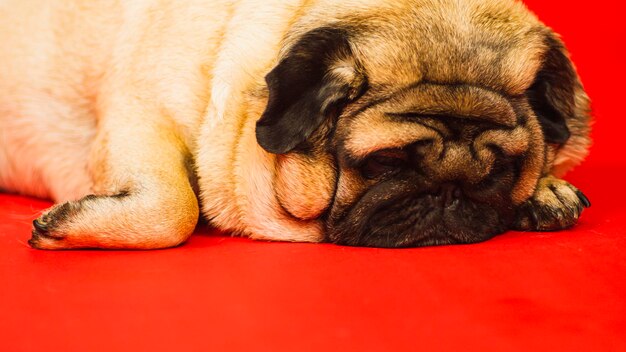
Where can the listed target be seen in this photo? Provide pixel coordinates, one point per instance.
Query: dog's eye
(384, 162)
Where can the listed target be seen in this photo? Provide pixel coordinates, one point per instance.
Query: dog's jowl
(390, 123)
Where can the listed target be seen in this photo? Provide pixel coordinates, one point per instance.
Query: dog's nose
(448, 194)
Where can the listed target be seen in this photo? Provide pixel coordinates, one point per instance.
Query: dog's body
(130, 110)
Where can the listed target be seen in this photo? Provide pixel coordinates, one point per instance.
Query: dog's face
(418, 125)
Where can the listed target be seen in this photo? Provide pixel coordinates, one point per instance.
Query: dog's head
(424, 123)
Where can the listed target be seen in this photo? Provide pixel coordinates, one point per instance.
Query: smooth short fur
(380, 123)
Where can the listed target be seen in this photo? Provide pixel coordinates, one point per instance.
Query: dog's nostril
(448, 194)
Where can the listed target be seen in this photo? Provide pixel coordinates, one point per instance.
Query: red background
(561, 291)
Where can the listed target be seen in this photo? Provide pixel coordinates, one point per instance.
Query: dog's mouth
(445, 215)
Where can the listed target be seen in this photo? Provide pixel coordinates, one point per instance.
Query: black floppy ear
(553, 94)
(314, 81)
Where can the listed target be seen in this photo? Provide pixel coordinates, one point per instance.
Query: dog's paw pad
(555, 205)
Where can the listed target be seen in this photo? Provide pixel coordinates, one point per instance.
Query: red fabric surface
(562, 291)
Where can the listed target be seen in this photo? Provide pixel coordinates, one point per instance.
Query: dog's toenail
(39, 226)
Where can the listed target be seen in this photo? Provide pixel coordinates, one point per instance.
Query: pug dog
(388, 123)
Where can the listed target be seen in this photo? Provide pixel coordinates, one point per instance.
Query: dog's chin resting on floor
(392, 123)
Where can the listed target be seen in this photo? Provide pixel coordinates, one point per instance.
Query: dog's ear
(553, 93)
(313, 82)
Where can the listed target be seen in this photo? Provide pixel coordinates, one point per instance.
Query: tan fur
(377, 130)
(118, 97)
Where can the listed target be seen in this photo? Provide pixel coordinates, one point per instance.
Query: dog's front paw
(118, 221)
(51, 229)
(556, 205)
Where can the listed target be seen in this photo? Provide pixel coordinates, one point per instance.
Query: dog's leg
(143, 199)
(555, 205)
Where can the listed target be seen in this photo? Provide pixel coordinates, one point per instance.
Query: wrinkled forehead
(498, 45)
(416, 113)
